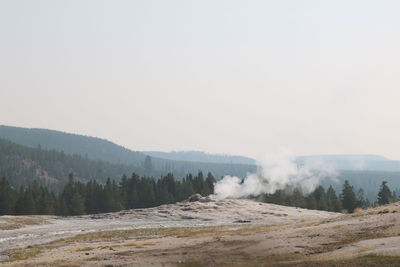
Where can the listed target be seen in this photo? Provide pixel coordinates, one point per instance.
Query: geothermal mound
(198, 210)
(195, 211)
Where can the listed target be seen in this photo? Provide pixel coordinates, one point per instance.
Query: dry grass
(15, 222)
(180, 232)
(295, 260)
(120, 238)
(221, 231)
(367, 260)
(86, 248)
(63, 263)
(389, 208)
(358, 212)
(138, 244)
(118, 235)
(272, 260)
(23, 254)
(350, 239)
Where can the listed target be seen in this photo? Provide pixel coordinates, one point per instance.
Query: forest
(90, 158)
(79, 198)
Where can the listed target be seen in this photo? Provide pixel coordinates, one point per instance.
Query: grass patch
(273, 260)
(15, 222)
(350, 239)
(79, 249)
(367, 260)
(370, 260)
(180, 232)
(23, 253)
(17, 254)
(118, 235)
(220, 231)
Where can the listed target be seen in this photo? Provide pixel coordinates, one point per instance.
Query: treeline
(320, 199)
(79, 198)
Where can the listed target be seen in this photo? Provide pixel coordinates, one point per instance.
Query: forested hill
(93, 148)
(86, 146)
(22, 164)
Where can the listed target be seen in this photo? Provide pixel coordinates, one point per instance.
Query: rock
(195, 197)
(242, 221)
(206, 199)
(199, 198)
(163, 211)
(185, 217)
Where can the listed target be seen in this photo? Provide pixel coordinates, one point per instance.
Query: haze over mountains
(101, 149)
(26, 154)
(198, 156)
(103, 156)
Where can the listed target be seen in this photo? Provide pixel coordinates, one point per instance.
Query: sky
(226, 76)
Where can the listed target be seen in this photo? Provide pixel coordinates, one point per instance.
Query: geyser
(276, 171)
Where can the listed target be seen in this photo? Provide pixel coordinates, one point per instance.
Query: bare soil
(215, 233)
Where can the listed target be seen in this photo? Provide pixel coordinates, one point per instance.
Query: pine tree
(385, 195)
(208, 186)
(298, 199)
(311, 202)
(333, 201)
(187, 187)
(46, 203)
(25, 204)
(76, 205)
(361, 200)
(198, 183)
(7, 197)
(320, 197)
(348, 197)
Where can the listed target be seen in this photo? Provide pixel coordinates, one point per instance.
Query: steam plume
(275, 172)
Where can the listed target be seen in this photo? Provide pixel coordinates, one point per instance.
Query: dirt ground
(370, 237)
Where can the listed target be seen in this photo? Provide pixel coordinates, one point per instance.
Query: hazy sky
(241, 77)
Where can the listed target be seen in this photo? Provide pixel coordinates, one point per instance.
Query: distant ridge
(198, 156)
(350, 157)
(96, 149)
(92, 147)
(368, 162)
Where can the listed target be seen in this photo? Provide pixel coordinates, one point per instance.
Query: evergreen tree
(208, 186)
(187, 187)
(45, 205)
(76, 205)
(348, 197)
(93, 197)
(198, 183)
(311, 202)
(25, 204)
(298, 199)
(361, 200)
(332, 200)
(132, 191)
(384, 195)
(7, 197)
(320, 198)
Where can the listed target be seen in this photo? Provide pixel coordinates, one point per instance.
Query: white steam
(275, 172)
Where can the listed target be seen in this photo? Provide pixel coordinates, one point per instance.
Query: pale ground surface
(205, 234)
